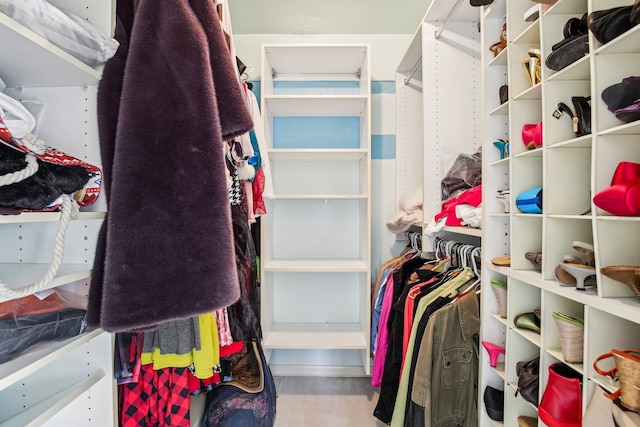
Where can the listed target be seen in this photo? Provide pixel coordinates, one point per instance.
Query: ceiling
(326, 17)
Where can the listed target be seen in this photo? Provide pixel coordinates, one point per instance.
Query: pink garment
(383, 335)
(224, 331)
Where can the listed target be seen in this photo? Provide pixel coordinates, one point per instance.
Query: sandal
(498, 47)
(587, 250)
(569, 274)
(502, 261)
(536, 259)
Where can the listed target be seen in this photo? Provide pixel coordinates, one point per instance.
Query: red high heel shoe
(625, 171)
(494, 352)
(621, 199)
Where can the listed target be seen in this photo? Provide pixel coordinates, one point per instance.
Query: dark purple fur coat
(167, 101)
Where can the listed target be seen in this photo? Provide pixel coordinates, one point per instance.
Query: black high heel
(581, 121)
(582, 105)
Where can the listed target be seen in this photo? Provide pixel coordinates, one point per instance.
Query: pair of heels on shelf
(505, 197)
(529, 320)
(581, 120)
(503, 146)
(623, 196)
(577, 270)
(623, 99)
(498, 47)
(626, 274)
(533, 67)
(494, 352)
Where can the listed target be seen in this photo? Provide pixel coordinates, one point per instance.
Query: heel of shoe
(503, 147)
(571, 336)
(532, 67)
(580, 272)
(582, 107)
(494, 352)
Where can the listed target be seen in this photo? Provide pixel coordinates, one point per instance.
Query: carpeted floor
(316, 402)
(319, 401)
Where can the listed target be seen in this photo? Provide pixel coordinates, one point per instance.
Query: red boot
(561, 404)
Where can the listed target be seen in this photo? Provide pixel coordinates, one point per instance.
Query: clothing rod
(415, 68)
(452, 12)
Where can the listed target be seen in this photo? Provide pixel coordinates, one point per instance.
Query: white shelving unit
(570, 170)
(316, 244)
(67, 382)
(438, 100)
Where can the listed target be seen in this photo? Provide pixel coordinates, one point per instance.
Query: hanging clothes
(423, 288)
(166, 248)
(445, 384)
(160, 399)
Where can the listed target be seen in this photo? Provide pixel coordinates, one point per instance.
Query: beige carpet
(326, 402)
(316, 402)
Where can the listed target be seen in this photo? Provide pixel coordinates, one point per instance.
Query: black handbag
(608, 24)
(528, 376)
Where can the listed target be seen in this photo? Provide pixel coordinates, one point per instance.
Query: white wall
(386, 52)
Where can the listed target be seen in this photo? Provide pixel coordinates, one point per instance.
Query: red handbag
(532, 135)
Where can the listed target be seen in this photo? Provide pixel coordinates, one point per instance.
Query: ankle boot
(561, 404)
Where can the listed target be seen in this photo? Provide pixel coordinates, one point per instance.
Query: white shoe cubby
(316, 238)
(67, 382)
(571, 171)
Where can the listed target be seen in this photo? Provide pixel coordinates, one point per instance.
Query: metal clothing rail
(413, 71)
(452, 12)
(437, 35)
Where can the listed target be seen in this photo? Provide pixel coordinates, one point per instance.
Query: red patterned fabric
(159, 399)
(258, 188)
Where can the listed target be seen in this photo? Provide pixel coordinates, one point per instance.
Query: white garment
(469, 215)
(226, 26)
(16, 117)
(409, 211)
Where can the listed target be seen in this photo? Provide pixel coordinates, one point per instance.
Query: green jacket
(446, 375)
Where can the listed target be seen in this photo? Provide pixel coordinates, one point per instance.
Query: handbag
(249, 399)
(608, 24)
(627, 370)
(34, 177)
(530, 201)
(528, 380)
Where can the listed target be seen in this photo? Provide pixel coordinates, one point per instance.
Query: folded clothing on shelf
(18, 334)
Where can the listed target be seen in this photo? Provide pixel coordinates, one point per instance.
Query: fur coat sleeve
(165, 251)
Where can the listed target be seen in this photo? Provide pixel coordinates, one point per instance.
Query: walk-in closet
(301, 214)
